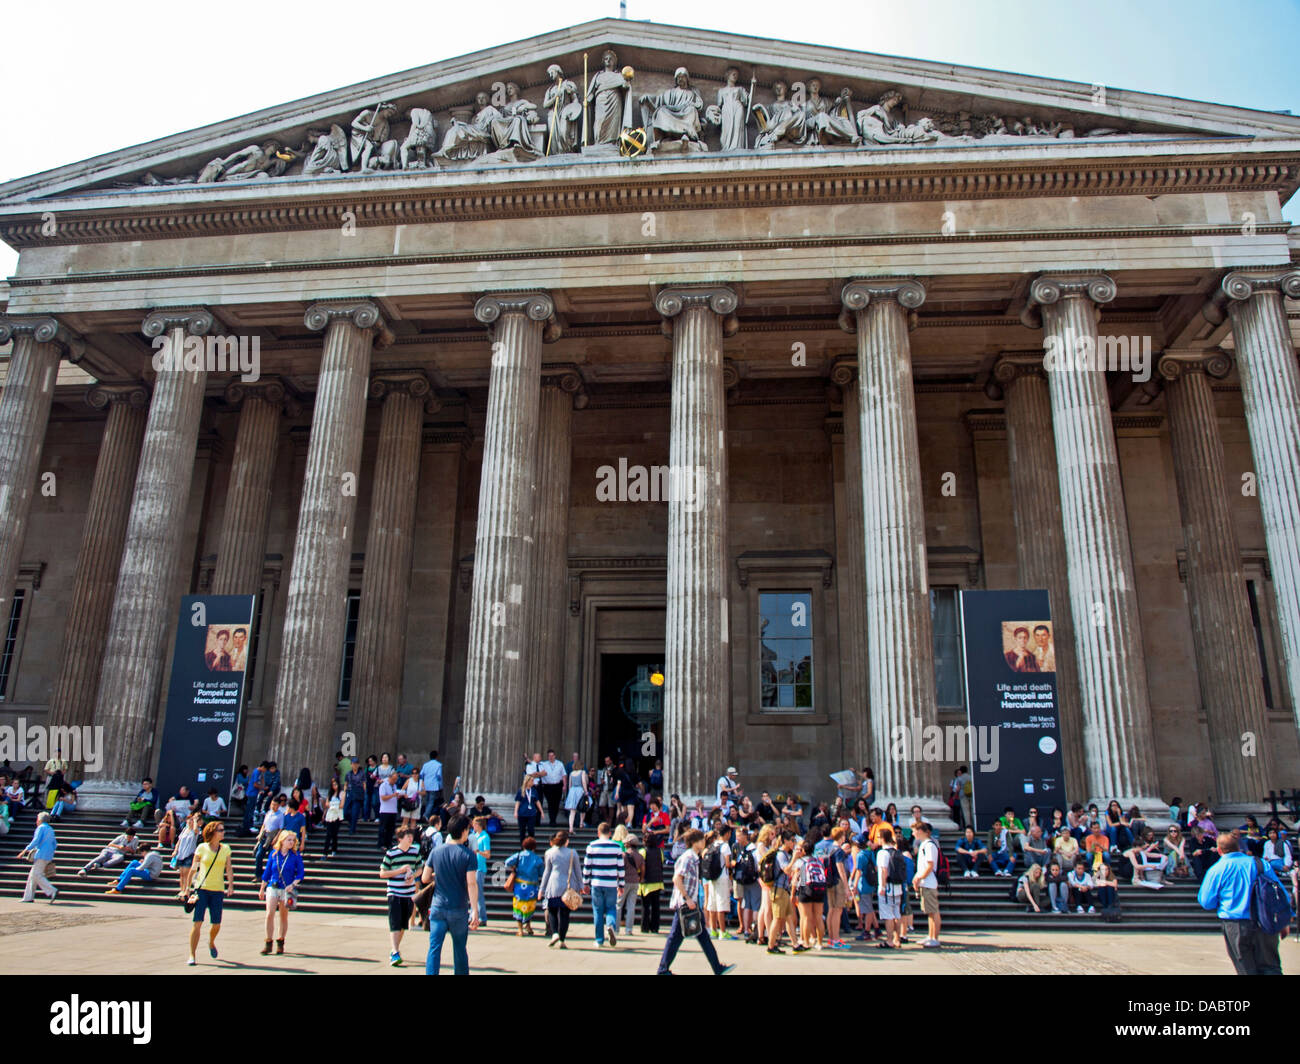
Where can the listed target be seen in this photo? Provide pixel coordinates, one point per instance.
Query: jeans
(1037, 858)
(674, 943)
(356, 810)
(441, 924)
(332, 835)
(1106, 896)
(250, 806)
(372, 803)
(969, 863)
(604, 910)
(432, 801)
(133, 871)
(482, 896)
(1004, 861)
(1059, 895)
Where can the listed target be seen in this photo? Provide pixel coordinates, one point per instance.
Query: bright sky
(112, 75)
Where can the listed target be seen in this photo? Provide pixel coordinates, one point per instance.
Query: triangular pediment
(436, 124)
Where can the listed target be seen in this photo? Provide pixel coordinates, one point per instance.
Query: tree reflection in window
(785, 670)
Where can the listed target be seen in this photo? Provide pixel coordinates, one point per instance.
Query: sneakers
(800, 949)
(931, 943)
(81, 873)
(727, 970)
(124, 824)
(1092, 908)
(1079, 909)
(728, 937)
(395, 959)
(599, 944)
(137, 824)
(191, 961)
(112, 890)
(555, 941)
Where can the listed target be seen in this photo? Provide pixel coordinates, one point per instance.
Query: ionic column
(381, 623)
(1227, 668)
(306, 690)
(1040, 540)
(144, 604)
(545, 706)
(242, 550)
(1270, 390)
(100, 554)
(900, 644)
(39, 343)
(697, 666)
(1120, 752)
(855, 675)
(496, 695)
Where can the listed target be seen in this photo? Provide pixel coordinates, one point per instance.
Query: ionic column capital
(859, 292)
(1009, 368)
(196, 321)
(844, 370)
(387, 382)
(363, 313)
(535, 306)
(1047, 289)
(720, 299)
(1242, 284)
(44, 330)
(567, 378)
(1173, 365)
(103, 396)
(268, 389)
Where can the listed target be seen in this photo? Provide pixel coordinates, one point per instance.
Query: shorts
(930, 901)
(210, 903)
(780, 903)
(890, 906)
(399, 912)
(753, 896)
(275, 895)
(837, 896)
(717, 895)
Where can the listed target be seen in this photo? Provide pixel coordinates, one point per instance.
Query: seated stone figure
(674, 113)
(878, 125)
(468, 140)
(780, 122)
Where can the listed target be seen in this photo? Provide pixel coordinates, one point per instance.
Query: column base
(106, 796)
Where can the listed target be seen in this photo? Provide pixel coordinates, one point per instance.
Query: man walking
(926, 880)
(431, 785)
(41, 849)
(398, 869)
(553, 776)
(453, 870)
(1228, 887)
(603, 878)
(685, 905)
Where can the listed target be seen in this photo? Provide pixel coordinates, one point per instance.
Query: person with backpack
(715, 871)
(830, 852)
(862, 889)
(808, 882)
(774, 869)
(685, 905)
(744, 873)
(1253, 908)
(928, 859)
(891, 882)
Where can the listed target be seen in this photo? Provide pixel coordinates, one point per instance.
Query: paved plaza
(114, 938)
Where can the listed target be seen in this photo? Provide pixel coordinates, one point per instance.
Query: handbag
(572, 899)
(584, 804)
(692, 922)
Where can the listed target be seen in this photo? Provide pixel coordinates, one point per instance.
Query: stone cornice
(44, 330)
(1242, 284)
(89, 220)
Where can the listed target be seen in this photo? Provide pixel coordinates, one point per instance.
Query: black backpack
(896, 873)
(711, 864)
(746, 870)
(831, 863)
(767, 868)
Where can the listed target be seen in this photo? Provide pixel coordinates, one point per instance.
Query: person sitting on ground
(214, 806)
(66, 802)
(148, 868)
(970, 852)
(122, 848)
(1105, 886)
(1031, 887)
(1175, 846)
(1146, 856)
(145, 804)
(6, 819)
(1065, 847)
(1201, 852)
(1004, 857)
(1097, 843)
(1077, 820)
(1277, 853)
(1080, 883)
(1037, 849)
(1058, 888)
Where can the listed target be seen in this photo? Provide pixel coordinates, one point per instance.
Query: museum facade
(631, 345)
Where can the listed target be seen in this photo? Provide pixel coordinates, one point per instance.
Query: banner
(205, 698)
(1009, 648)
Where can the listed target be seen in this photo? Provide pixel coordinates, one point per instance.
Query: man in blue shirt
(42, 849)
(431, 784)
(1227, 889)
(453, 870)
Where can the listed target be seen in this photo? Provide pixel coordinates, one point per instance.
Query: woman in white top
(577, 790)
(333, 817)
(184, 852)
(1277, 854)
(410, 817)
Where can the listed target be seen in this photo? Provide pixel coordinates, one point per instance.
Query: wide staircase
(349, 884)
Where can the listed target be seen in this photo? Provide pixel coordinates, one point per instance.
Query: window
(11, 642)
(349, 647)
(785, 667)
(945, 619)
(1253, 593)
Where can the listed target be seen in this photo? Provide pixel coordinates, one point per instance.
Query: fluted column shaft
(1270, 390)
(38, 344)
(496, 695)
(100, 555)
(1040, 545)
(242, 551)
(381, 623)
(855, 676)
(315, 617)
(144, 608)
(900, 643)
(1118, 739)
(697, 662)
(545, 706)
(1227, 666)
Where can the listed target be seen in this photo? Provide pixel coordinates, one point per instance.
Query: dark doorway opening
(617, 735)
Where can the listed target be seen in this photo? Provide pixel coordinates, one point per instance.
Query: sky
(112, 75)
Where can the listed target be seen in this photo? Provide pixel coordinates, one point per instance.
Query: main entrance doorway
(618, 735)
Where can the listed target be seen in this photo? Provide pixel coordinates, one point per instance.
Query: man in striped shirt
(602, 877)
(398, 869)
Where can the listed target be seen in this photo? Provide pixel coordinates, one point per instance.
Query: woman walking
(279, 889)
(525, 869)
(212, 863)
(561, 873)
(651, 887)
(577, 792)
(528, 808)
(183, 855)
(633, 870)
(333, 818)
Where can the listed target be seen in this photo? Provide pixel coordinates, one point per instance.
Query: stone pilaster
(1270, 390)
(1120, 752)
(38, 345)
(99, 557)
(697, 666)
(1040, 541)
(545, 706)
(144, 604)
(854, 673)
(242, 552)
(1226, 669)
(302, 729)
(381, 623)
(496, 695)
(900, 643)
